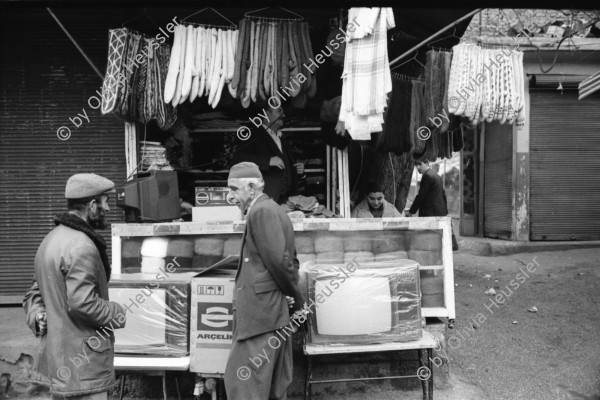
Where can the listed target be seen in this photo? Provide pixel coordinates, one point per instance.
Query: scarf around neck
(74, 222)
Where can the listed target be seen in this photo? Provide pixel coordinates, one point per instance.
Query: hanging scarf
(74, 222)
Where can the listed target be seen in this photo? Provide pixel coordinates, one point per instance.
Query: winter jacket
(76, 355)
(267, 272)
(431, 199)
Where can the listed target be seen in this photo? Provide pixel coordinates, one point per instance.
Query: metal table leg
(430, 366)
(122, 387)
(421, 353)
(307, 391)
(164, 381)
(177, 386)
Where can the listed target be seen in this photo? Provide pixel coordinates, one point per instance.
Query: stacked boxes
(211, 322)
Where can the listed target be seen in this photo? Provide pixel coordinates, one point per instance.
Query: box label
(215, 317)
(211, 290)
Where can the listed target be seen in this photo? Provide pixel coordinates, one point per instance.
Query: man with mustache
(68, 300)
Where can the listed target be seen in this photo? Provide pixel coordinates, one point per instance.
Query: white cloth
(155, 247)
(366, 78)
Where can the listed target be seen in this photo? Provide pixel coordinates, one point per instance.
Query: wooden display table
(424, 346)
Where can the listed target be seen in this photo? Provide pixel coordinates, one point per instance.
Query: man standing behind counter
(266, 148)
(267, 273)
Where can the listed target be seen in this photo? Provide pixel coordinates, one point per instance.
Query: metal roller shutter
(497, 200)
(44, 81)
(565, 166)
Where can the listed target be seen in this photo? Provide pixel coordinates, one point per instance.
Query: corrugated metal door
(44, 82)
(497, 200)
(565, 166)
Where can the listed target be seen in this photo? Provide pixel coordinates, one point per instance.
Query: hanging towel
(366, 74)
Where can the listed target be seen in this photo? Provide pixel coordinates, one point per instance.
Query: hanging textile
(486, 84)
(201, 64)
(395, 136)
(417, 116)
(134, 41)
(366, 76)
(437, 72)
(117, 49)
(133, 84)
(273, 62)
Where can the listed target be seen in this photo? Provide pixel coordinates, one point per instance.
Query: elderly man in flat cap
(67, 306)
(260, 362)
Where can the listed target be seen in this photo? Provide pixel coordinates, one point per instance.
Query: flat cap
(245, 170)
(80, 186)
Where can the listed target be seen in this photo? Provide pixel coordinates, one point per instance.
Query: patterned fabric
(139, 85)
(150, 91)
(166, 114)
(133, 89)
(128, 64)
(417, 116)
(366, 76)
(117, 46)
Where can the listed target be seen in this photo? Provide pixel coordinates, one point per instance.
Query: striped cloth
(366, 76)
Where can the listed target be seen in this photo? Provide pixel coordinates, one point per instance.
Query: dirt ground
(553, 353)
(500, 350)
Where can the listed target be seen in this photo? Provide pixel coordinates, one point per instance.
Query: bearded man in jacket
(67, 305)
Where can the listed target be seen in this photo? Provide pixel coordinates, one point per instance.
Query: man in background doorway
(272, 153)
(431, 199)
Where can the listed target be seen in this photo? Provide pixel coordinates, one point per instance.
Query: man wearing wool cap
(267, 273)
(67, 304)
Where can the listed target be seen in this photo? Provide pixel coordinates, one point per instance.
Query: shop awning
(589, 85)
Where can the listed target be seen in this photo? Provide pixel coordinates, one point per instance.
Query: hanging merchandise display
(437, 73)
(133, 83)
(486, 84)
(271, 62)
(417, 116)
(117, 46)
(395, 136)
(366, 77)
(201, 64)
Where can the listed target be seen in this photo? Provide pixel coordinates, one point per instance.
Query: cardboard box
(217, 213)
(211, 327)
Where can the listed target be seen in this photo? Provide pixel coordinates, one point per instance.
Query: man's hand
(42, 325)
(299, 168)
(408, 214)
(290, 301)
(300, 316)
(277, 162)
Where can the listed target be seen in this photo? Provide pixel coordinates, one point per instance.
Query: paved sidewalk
(496, 247)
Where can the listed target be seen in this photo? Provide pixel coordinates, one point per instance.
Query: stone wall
(492, 20)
